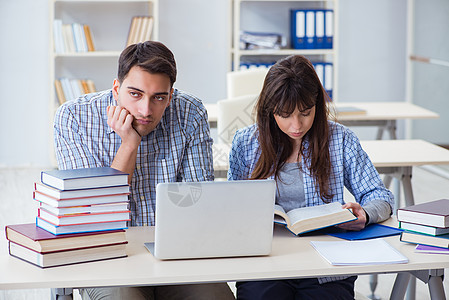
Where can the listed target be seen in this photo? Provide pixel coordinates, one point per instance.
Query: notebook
(213, 219)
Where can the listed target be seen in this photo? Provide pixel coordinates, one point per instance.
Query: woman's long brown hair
(292, 82)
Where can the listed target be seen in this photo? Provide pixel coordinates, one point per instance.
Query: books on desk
(37, 246)
(84, 178)
(349, 111)
(426, 223)
(82, 200)
(434, 213)
(81, 218)
(424, 239)
(431, 249)
(305, 219)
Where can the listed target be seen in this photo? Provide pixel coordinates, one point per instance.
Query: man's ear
(115, 89)
(171, 96)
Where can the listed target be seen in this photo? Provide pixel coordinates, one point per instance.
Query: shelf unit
(109, 21)
(276, 14)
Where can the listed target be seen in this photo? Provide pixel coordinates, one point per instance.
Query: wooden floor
(17, 206)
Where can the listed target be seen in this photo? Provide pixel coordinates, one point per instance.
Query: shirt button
(138, 167)
(142, 198)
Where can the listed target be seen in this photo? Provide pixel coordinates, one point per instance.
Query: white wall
(430, 83)
(373, 35)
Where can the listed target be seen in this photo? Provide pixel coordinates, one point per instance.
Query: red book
(84, 218)
(40, 240)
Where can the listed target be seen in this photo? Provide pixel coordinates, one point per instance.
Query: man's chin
(144, 130)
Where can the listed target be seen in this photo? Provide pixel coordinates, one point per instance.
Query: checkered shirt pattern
(351, 168)
(178, 149)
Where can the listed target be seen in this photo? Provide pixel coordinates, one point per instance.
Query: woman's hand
(359, 212)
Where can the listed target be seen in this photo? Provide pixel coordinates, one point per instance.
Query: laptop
(213, 219)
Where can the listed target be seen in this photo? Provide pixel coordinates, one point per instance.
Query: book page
(309, 212)
(280, 216)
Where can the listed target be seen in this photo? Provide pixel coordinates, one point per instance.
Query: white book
(361, 252)
(57, 36)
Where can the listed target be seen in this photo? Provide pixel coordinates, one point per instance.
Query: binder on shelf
(319, 29)
(298, 29)
(328, 29)
(310, 29)
(319, 69)
(328, 78)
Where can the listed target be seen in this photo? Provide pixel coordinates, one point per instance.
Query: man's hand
(359, 212)
(120, 120)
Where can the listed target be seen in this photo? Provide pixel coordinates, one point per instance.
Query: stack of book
(81, 217)
(69, 38)
(140, 30)
(68, 89)
(44, 249)
(426, 224)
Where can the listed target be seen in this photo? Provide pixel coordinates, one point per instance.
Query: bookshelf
(274, 16)
(109, 22)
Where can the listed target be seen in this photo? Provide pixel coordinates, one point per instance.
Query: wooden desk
(391, 157)
(291, 257)
(383, 115)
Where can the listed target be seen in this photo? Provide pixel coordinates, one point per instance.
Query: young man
(145, 127)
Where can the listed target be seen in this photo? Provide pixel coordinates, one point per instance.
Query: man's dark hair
(154, 57)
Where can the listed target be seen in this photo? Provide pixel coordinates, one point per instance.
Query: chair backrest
(233, 114)
(245, 82)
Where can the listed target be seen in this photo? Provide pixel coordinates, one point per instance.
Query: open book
(305, 219)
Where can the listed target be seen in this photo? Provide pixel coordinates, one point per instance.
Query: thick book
(84, 178)
(80, 228)
(97, 208)
(433, 213)
(423, 228)
(425, 239)
(41, 197)
(81, 193)
(84, 218)
(431, 249)
(364, 252)
(67, 257)
(40, 240)
(349, 111)
(305, 219)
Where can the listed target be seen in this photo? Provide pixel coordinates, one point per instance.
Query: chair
(233, 114)
(245, 82)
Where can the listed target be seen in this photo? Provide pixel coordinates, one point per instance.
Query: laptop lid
(213, 219)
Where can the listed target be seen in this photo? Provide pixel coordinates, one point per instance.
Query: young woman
(312, 159)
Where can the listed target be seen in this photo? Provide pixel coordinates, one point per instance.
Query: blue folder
(369, 232)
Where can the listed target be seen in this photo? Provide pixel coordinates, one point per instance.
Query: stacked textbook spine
(426, 224)
(82, 216)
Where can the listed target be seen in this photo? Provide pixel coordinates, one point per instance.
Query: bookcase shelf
(109, 22)
(89, 54)
(272, 16)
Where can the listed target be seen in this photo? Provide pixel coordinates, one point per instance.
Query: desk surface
(374, 111)
(405, 153)
(383, 153)
(291, 257)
